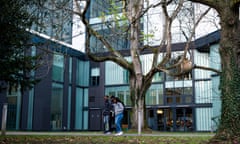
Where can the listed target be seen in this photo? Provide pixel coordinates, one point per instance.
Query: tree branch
(116, 56)
(207, 68)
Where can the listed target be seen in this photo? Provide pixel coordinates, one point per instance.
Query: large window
(98, 7)
(178, 92)
(58, 67)
(203, 92)
(121, 92)
(173, 95)
(178, 95)
(158, 77)
(56, 106)
(202, 59)
(114, 74)
(95, 75)
(82, 73)
(56, 23)
(81, 112)
(154, 95)
(70, 70)
(111, 34)
(203, 119)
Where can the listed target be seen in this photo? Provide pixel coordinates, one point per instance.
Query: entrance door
(184, 119)
(95, 120)
(174, 119)
(170, 119)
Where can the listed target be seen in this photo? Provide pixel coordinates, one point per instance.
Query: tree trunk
(138, 94)
(136, 75)
(229, 128)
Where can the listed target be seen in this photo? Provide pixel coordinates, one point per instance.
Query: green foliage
(15, 65)
(230, 87)
(114, 9)
(146, 36)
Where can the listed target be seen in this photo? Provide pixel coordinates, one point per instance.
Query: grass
(101, 139)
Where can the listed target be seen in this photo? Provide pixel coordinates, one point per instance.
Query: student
(106, 115)
(118, 110)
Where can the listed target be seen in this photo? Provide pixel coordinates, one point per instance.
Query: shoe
(119, 133)
(107, 133)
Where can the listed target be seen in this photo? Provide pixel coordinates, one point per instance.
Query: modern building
(187, 103)
(70, 94)
(173, 103)
(60, 100)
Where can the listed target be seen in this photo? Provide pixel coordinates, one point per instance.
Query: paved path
(101, 134)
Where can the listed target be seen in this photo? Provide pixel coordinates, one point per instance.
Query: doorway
(174, 119)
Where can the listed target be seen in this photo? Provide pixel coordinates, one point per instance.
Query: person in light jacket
(118, 110)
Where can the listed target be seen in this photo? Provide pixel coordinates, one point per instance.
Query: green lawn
(44, 139)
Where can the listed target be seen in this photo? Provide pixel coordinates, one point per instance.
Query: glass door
(184, 119)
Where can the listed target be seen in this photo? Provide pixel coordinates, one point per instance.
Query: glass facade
(203, 119)
(201, 59)
(98, 8)
(81, 121)
(154, 95)
(95, 77)
(115, 74)
(69, 107)
(53, 21)
(31, 96)
(121, 91)
(216, 100)
(14, 108)
(58, 67)
(56, 106)
(173, 103)
(203, 92)
(81, 103)
(70, 70)
(107, 19)
(82, 73)
(53, 102)
(180, 94)
(117, 41)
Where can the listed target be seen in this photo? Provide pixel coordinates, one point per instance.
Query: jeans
(118, 122)
(106, 123)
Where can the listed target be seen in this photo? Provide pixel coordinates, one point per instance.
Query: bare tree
(132, 11)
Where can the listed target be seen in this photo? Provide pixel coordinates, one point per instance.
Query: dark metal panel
(95, 119)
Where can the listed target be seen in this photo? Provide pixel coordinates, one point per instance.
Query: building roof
(56, 46)
(202, 44)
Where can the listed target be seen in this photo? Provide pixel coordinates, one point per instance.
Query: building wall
(96, 94)
(60, 100)
(198, 95)
(81, 106)
(195, 99)
(216, 64)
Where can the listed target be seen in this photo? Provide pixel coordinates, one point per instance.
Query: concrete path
(197, 134)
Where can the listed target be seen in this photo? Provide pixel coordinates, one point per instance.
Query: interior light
(159, 111)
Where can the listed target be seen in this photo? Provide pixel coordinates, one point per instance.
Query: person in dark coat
(106, 115)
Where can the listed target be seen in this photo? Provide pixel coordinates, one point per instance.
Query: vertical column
(4, 119)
